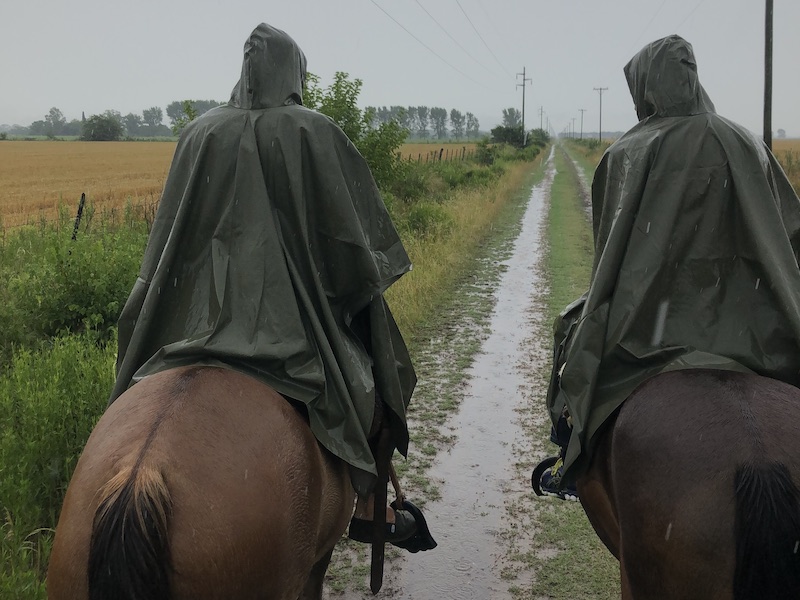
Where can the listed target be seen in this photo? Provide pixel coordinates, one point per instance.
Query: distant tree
(55, 121)
(422, 121)
(412, 121)
(384, 115)
(72, 128)
(439, 122)
(508, 135)
(132, 123)
(781, 134)
(538, 137)
(472, 126)
(511, 117)
(457, 123)
(176, 111)
(105, 127)
(152, 117)
(41, 127)
(189, 115)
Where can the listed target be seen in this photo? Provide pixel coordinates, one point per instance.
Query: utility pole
(573, 127)
(768, 76)
(522, 85)
(541, 115)
(583, 110)
(600, 133)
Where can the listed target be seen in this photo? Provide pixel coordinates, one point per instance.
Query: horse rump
(129, 557)
(767, 530)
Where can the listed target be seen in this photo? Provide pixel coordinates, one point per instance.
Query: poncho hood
(273, 71)
(663, 80)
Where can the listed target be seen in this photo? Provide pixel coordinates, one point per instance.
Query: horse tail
(767, 530)
(129, 556)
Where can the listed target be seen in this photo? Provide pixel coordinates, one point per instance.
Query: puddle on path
(477, 472)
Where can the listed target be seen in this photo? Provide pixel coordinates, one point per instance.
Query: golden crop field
(37, 177)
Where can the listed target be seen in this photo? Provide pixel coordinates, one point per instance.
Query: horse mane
(767, 530)
(129, 556)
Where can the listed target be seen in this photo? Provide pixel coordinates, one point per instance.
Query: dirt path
(477, 474)
(480, 369)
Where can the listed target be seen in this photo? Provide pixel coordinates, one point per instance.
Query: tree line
(112, 125)
(423, 122)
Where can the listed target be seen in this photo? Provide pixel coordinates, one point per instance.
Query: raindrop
(717, 284)
(796, 545)
(725, 184)
(159, 289)
(208, 178)
(175, 282)
(758, 282)
(669, 531)
(648, 227)
(661, 319)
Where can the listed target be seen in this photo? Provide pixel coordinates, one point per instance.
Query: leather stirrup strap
(383, 454)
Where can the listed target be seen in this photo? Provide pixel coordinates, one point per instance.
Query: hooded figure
(697, 235)
(269, 254)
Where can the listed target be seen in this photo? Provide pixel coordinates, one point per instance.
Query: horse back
(251, 499)
(691, 459)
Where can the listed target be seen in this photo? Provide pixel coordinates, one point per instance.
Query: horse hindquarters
(250, 500)
(684, 498)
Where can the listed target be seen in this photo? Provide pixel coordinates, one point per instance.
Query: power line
(643, 30)
(481, 37)
(428, 47)
(686, 18)
(454, 39)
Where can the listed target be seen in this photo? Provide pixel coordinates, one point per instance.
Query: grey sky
(93, 55)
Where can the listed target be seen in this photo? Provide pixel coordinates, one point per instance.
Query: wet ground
(479, 476)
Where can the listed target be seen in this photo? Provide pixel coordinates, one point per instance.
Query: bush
(427, 218)
(53, 285)
(50, 400)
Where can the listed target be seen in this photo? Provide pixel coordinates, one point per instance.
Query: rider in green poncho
(697, 236)
(270, 254)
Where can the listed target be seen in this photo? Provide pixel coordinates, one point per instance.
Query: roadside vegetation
(61, 298)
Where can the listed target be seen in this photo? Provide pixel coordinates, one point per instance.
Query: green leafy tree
(55, 122)
(422, 121)
(132, 123)
(72, 128)
(153, 116)
(105, 127)
(412, 123)
(377, 144)
(508, 135)
(189, 115)
(457, 123)
(473, 126)
(439, 121)
(511, 117)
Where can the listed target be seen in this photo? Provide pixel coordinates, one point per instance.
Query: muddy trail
(485, 364)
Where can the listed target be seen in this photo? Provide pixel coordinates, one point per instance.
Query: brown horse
(693, 488)
(201, 483)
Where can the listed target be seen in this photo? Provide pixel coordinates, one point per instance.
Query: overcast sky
(93, 55)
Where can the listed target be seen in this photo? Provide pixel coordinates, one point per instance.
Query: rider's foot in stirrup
(550, 483)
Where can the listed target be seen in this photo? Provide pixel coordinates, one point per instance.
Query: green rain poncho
(269, 254)
(697, 233)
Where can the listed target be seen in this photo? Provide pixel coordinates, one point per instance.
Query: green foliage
(427, 218)
(54, 285)
(485, 153)
(49, 401)
(508, 135)
(188, 115)
(3, 135)
(103, 128)
(378, 145)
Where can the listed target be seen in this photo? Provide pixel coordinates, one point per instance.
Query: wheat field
(37, 177)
